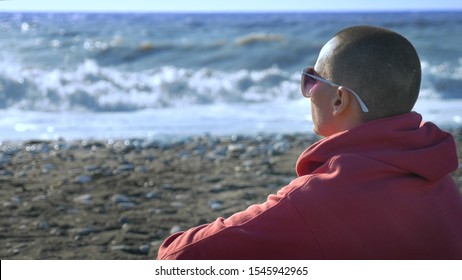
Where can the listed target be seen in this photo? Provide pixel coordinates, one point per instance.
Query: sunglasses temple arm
(361, 103)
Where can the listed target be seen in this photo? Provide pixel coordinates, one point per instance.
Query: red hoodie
(379, 191)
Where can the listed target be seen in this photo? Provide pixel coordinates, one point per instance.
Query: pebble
(155, 211)
(175, 229)
(153, 195)
(150, 158)
(17, 248)
(217, 188)
(123, 220)
(207, 179)
(47, 167)
(248, 163)
(40, 197)
(221, 151)
(119, 247)
(181, 196)
(199, 150)
(83, 179)
(9, 149)
(144, 248)
(141, 169)
(126, 227)
(120, 198)
(125, 205)
(43, 225)
(279, 148)
(122, 201)
(235, 150)
(167, 186)
(4, 172)
(91, 169)
(183, 154)
(215, 205)
(16, 200)
(4, 159)
(37, 148)
(85, 199)
(72, 211)
(250, 152)
(84, 230)
(130, 249)
(56, 232)
(124, 168)
(60, 146)
(177, 204)
(149, 184)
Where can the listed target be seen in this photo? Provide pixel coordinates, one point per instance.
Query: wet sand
(121, 199)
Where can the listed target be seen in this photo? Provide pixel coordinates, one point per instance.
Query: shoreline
(119, 199)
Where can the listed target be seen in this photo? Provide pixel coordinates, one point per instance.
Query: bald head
(380, 65)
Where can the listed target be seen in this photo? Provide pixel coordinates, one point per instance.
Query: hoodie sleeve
(272, 230)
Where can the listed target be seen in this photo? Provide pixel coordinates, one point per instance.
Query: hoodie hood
(401, 141)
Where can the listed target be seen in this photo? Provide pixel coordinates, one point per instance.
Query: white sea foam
(93, 88)
(219, 119)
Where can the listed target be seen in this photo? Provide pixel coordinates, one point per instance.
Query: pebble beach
(119, 199)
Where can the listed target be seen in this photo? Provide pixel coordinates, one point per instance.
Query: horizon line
(239, 11)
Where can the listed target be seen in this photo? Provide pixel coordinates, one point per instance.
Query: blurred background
(139, 69)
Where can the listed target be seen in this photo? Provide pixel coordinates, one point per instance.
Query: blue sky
(227, 5)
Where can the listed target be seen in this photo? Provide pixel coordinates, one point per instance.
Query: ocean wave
(442, 80)
(116, 52)
(258, 37)
(92, 87)
(96, 88)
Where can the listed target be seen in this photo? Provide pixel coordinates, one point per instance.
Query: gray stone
(126, 167)
(177, 204)
(175, 229)
(153, 195)
(85, 199)
(119, 198)
(125, 205)
(215, 205)
(84, 231)
(144, 248)
(83, 179)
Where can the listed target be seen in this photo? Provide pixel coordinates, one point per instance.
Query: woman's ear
(341, 101)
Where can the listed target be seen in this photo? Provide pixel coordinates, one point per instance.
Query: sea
(100, 76)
